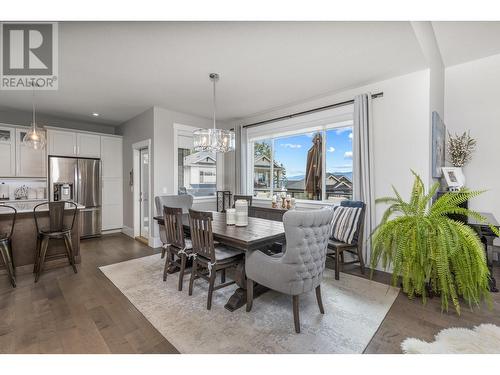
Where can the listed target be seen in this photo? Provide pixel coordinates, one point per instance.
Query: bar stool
(6, 242)
(56, 230)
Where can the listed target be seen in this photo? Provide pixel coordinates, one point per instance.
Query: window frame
(327, 124)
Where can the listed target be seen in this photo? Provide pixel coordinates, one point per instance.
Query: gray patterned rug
(354, 309)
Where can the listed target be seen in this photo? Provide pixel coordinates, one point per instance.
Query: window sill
(207, 198)
(301, 203)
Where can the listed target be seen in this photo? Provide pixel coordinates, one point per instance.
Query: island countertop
(26, 206)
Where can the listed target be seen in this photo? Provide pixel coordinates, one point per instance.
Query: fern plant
(429, 250)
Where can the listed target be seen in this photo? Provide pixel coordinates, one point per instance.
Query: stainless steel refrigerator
(78, 180)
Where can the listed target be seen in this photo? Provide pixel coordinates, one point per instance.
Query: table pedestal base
(239, 297)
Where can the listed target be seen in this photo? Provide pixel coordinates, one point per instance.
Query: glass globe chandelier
(213, 139)
(34, 138)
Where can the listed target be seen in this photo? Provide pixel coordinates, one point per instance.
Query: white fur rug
(483, 339)
(355, 308)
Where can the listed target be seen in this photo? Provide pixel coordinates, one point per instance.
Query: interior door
(144, 192)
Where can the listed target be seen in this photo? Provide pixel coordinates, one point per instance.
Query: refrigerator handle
(76, 197)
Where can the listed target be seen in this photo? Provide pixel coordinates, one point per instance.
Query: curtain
(240, 161)
(363, 163)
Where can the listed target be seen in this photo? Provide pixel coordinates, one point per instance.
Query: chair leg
(211, 284)
(337, 263)
(181, 271)
(249, 294)
(11, 253)
(43, 252)
(163, 251)
(167, 264)
(320, 301)
(4, 251)
(223, 276)
(296, 319)
(37, 254)
(69, 250)
(194, 272)
(360, 257)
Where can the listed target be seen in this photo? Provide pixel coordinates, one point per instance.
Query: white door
(144, 193)
(7, 152)
(29, 162)
(62, 143)
(88, 145)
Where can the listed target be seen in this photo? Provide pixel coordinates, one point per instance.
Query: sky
(292, 151)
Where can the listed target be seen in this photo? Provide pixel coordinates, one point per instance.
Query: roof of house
(200, 158)
(262, 161)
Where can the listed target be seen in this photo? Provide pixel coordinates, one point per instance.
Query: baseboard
(110, 231)
(128, 231)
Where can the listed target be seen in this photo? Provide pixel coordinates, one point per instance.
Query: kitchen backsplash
(25, 188)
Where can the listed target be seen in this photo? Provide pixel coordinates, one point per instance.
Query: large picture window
(309, 165)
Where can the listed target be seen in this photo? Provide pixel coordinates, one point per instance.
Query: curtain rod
(330, 106)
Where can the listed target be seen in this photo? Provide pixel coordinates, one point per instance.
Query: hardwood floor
(85, 313)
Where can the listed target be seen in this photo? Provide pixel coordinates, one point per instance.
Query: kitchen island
(25, 234)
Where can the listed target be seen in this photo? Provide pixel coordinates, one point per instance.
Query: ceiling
(120, 69)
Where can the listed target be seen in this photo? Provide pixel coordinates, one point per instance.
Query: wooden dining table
(259, 234)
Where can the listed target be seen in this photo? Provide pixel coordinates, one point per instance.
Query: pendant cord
(34, 121)
(214, 79)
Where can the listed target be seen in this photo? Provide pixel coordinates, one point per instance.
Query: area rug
(483, 339)
(354, 309)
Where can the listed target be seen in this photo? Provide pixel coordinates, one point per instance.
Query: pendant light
(34, 138)
(214, 140)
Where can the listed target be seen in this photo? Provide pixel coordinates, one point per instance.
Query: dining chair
(247, 198)
(8, 216)
(177, 245)
(347, 234)
(208, 259)
(175, 201)
(56, 229)
(299, 268)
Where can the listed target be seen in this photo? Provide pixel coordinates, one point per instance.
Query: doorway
(143, 230)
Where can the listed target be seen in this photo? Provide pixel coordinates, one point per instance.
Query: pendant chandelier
(34, 138)
(214, 140)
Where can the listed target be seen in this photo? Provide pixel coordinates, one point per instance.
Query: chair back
(56, 215)
(307, 234)
(358, 235)
(172, 217)
(247, 198)
(8, 215)
(184, 201)
(200, 224)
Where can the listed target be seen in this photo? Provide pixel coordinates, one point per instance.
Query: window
(196, 170)
(309, 165)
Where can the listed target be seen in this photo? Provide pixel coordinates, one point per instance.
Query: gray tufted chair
(299, 269)
(174, 201)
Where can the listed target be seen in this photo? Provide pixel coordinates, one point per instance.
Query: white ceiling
(464, 41)
(120, 69)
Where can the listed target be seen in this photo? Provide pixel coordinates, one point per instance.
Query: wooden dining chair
(208, 259)
(8, 215)
(247, 198)
(178, 247)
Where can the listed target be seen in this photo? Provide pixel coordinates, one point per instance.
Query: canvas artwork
(438, 145)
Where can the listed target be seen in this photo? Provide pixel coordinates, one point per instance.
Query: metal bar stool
(56, 229)
(6, 241)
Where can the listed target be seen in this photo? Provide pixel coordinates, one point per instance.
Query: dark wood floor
(86, 313)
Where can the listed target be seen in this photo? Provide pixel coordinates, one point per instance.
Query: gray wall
(138, 129)
(15, 117)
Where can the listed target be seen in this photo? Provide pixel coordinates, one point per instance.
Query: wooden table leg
(239, 297)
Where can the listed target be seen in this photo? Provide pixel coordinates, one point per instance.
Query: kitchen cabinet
(111, 156)
(75, 144)
(7, 152)
(112, 182)
(29, 162)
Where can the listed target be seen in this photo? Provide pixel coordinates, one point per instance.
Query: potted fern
(428, 250)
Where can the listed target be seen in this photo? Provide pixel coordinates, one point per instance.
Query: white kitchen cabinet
(112, 203)
(111, 156)
(88, 145)
(7, 152)
(62, 143)
(29, 162)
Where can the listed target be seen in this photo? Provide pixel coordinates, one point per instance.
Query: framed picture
(454, 177)
(438, 145)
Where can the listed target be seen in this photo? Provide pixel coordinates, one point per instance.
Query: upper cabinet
(7, 152)
(29, 162)
(68, 143)
(111, 156)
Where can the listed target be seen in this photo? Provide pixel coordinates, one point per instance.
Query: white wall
(472, 103)
(401, 129)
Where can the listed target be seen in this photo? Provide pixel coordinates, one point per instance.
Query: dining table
(259, 234)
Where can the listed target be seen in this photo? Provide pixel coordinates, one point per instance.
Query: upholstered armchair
(174, 201)
(299, 269)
